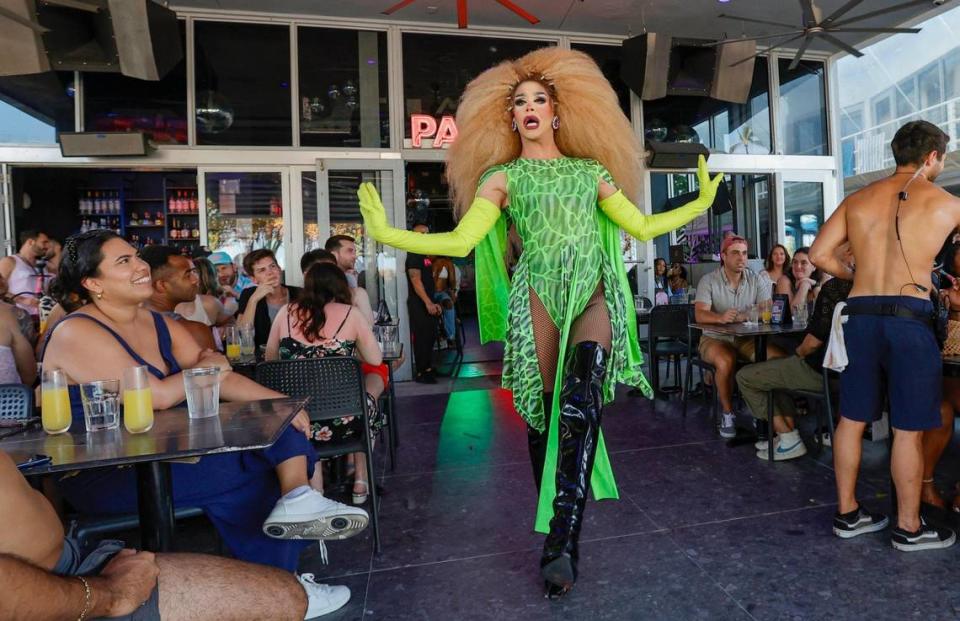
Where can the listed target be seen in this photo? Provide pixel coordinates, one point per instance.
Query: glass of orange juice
(766, 311)
(231, 337)
(54, 402)
(137, 400)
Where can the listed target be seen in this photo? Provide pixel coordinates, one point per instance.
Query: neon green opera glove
(473, 227)
(619, 209)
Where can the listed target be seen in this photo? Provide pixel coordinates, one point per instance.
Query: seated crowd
(163, 310)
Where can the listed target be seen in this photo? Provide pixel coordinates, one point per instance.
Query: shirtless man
(889, 332)
(40, 566)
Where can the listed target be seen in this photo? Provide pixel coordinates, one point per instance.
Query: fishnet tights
(593, 324)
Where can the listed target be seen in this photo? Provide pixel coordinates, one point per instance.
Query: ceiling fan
(815, 26)
(462, 11)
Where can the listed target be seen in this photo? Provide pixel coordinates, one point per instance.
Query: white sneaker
(728, 425)
(785, 446)
(313, 516)
(761, 445)
(322, 599)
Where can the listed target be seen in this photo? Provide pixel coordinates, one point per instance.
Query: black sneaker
(926, 538)
(858, 522)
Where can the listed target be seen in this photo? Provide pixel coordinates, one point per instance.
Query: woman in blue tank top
(255, 498)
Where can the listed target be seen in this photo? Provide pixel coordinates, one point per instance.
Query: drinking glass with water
(101, 404)
(247, 344)
(202, 386)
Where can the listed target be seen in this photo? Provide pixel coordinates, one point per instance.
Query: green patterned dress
(569, 247)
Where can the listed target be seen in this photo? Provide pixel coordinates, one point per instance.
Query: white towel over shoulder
(835, 357)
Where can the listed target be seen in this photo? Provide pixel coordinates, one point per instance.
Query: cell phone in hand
(34, 461)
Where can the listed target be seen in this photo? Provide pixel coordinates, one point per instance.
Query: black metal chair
(335, 387)
(694, 360)
(666, 338)
(86, 526)
(823, 397)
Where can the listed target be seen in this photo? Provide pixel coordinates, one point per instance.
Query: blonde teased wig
(591, 122)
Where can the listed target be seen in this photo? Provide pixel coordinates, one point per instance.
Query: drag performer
(544, 147)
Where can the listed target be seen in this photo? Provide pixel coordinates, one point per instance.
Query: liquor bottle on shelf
(174, 231)
(195, 232)
(158, 220)
(116, 202)
(193, 202)
(171, 204)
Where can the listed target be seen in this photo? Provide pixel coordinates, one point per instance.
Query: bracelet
(86, 598)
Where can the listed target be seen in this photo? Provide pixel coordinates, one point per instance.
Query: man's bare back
(31, 528)
(867, 219)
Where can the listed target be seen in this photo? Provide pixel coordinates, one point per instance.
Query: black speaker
(147, 36)
(138, 38)
(644, 63)
(102, 144)
(674, 154)
(21, 44)
(79, 40)
(733, 83)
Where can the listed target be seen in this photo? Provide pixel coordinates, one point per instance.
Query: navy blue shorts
(896, 353)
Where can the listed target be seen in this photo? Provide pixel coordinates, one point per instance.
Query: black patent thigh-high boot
(579, 428)
(537, 442)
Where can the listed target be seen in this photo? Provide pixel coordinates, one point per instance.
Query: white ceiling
(679, 18)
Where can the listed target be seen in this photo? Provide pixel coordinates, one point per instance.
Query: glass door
(244, 209)
(329, 207)
(808, 198)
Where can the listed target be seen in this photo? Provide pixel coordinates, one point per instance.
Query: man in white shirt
(721, 297)
(24, 280)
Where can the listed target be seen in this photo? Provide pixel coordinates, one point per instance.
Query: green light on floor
(472, 370)
(467, 431)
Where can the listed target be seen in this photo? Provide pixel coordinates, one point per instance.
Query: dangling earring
(513, 125)
(556, 123)
(99, 295)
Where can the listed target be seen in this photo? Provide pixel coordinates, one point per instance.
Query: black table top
(749, 329)
(241, 426)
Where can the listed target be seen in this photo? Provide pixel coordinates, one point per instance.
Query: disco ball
(214, 114)
(656, 130)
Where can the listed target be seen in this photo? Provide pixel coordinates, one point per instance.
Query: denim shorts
(73, 562)
(893, 357)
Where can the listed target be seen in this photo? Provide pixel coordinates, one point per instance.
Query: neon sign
(423, 127)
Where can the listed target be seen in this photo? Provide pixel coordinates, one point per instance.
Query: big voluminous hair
(591, 122)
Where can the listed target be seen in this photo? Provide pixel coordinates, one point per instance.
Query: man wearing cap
(232, 281)
(721, 297)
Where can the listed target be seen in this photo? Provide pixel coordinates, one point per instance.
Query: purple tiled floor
(702, 530)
